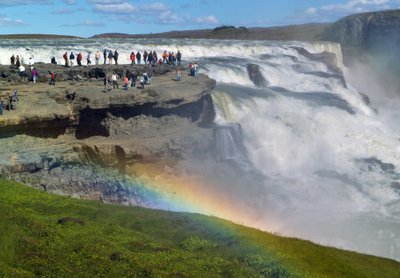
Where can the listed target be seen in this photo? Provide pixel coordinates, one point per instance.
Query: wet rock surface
(256, 76)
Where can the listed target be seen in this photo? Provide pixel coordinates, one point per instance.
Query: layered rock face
(78, 139)
(377, 32)
(370, 43)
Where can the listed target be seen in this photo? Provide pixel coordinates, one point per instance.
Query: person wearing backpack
(110, 57)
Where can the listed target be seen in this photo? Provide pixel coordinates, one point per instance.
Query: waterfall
(331, 47)
(229, 145)
(317, 144)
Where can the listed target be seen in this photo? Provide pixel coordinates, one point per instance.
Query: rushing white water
(330, 163)
(327, 165)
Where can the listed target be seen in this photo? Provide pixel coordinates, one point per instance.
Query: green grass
(113, 241)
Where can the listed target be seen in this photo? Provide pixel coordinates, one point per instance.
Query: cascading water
(325, 166)
(229, 145)
(329, 164)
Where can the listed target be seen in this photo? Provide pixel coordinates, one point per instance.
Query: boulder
(256, 76)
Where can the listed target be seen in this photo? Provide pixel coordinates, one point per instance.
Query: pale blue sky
(89, 17)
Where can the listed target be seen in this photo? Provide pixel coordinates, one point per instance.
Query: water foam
(328, 160)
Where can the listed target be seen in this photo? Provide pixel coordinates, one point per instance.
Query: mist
(378, 78)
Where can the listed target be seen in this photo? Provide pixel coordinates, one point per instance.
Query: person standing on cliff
(106, 84)
(164, 57)
(145, 57)
(12, 60)
(52, 78)
(10, 105)
(126, 82)
(105, 56)
(116, 54)
(17, 62)
(71, 59)
(195, 69)
(132, 57)
(34, 75)
(133, 78)
(65, 56)
(150, 58)
(31, 62)
(110, 57)
(138, 57)
(97, 57)
(88, 62)
(22, 72)
(178, 74)
(155, 58)
(114, 77)
(178, 58)
(79, 59)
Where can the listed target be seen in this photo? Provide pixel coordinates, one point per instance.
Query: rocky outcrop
(370, 44)
(329, 59)
(48, 111)
(84, 146)
(256, 76)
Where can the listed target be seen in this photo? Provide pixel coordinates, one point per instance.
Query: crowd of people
(111, 57)
(18, 62)
(129, 79)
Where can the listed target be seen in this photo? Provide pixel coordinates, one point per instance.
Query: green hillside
(53, 236)
(304, 32)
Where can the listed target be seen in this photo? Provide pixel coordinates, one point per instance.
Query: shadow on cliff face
(92, 121)
(51, 129)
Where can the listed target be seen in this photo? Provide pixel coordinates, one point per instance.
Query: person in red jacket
(126, 82)
(132, 58)
(79, 59)
(65, 56)
(52, 78)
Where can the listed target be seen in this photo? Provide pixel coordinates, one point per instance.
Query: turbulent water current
(327, 164)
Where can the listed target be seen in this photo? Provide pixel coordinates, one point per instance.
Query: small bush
(195, 243)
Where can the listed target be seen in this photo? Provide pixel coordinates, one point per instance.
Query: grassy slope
(114, 241)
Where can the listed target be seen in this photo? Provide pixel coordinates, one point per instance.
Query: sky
(86, 18)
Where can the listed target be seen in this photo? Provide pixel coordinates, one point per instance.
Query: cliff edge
(77, 139)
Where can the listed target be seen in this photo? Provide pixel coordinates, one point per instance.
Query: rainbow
(190, 193)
